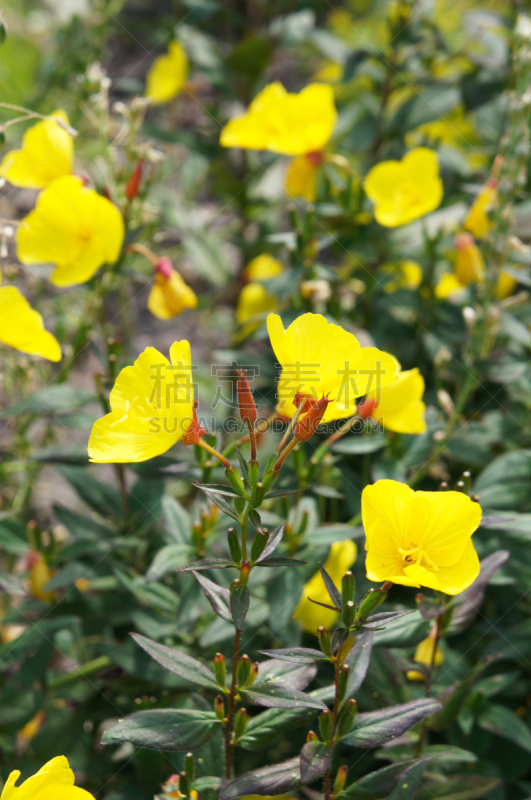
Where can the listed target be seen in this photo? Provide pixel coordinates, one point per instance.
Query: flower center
(414, 554)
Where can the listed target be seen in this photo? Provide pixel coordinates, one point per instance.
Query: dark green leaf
(178, 663)
(279, 561)
(207, 563)
(274, 540)
(452, 699)
(217, 596)
(75, 456)
(177, 521)
(382, 782)
(165, 729)
(102, 497)
(296, 655)
(353, 62)
(239, 606)
(333, 593)
(360, 444)
(52, 399)
(316, 758)
(458, 787)
(220, 503)
(13, 537)
(271, 695)
(296, 676)
(403, 632)
(380, 621)
(378, 727)
(272, 780)
(504, 722)
(170, 559)
(266, 726)
(358, 662)
(466, 605)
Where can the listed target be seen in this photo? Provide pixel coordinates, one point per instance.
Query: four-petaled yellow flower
(319, 358)
(47, 153)
(424, 654)
(398, 405)
(152, 408)
(477, 220)
(22, 327)
(405, 190)
(73, 228)
(169, 295)
(54, 781)
(341, 557)
(167, 75)
(420, 538)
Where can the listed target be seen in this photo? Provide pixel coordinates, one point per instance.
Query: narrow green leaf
(316, 758)
(178, 662)
(239, 606)
(378, 727)
(166, 729)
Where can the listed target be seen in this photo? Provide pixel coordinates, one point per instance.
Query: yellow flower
(47, 153)
(330, 72)
(39, 575)
(341, 557)
(448, 285)
(168, 74)
(254, 302)
(405, 190)
(53, 781)
(506, 283)
(420, 538)
(282, 122)
(477, 220)
(31, 728)
(398, 405)
(469, 265)
(319, 358)
(22, 327)
(424, 655)
(408, 275)
(169, 295)
(72, 227)
(263, 268)
(152, 408)
(301, 176)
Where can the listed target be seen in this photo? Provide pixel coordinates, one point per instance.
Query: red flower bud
(164, 267)
(306, 427)
(195, 431)
(305, 401)
(133, 184)
(245, 399)
(315, 157)
(366, 407)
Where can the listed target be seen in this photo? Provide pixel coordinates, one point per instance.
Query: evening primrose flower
(152, 406)
(40, 574)
(477, 221)
(169, 295)
(167, 75)
(319, 358)
(469, 264)
(341, 557)
(255, 300)
(22, 328)
(424, 655)
(263, 268)
(398, 405)
(73, 228)
(420, 538)
(405, 190)
(448, 285)
(301, 176)
(405, 275)
(47, 153)
(54, 780)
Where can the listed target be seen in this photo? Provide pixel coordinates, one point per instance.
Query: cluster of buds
(201, 530)
(180, 785)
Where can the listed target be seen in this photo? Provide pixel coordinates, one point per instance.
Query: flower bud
(346, 718)
(253, 472)
(306, 427)
(348, 587)
(219, 707)
(312, 737)
(220, 670)
(257, 495)
(372, 600)
(246, 402)
(341, 777)
(344, 674)
(365, 408)
(239, 504)
(258, 546)
(254, 673)
(326, 725)
(195, 431)
(235, 480)
(348, 614)
(184, 784)
(245, 571)
(269, 479)
(324, 641)
(234, 546)
(189, 766)
(240, 723)
(133, 184)
(244, 670)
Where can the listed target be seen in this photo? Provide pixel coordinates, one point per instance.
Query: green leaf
(358, 661)
(217, 596)
(271, 695)
(178, 663)
(280, 561)
(405, 631)
(458, 787)
(296, 676)
(145, 500)
(506, 482)
(170, 559)
(265, 727)
(239, 606)
(434, 102)
(357, 445)
(102, 497)
(452, 699)
(68, 575)
(83, 526)
(220, 503)
(296, 655)
(166, 729)
(52, 399)
(316, 758)
(378, 727)
(75, 456)
(382, 782)
(333, 593)
(276, 779)
(177, 523)
(327, 534)
(207, 563)
(11, 585)
(465, 606)
(13, 537)
(274, 540)
(409, 781)
(504, 722)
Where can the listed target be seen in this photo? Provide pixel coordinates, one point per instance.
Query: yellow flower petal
(152, 408)
(408, 275)
(168, 74)
(399, 403)
(291, 124)
(263, 268)
(254, 301)
(477, 220)
(506, 284)
(403, 191)
(469, 264)
(22, 327)
(424, 655)
(420, 538)
(318, 358)
(54, 781)
(448, 285)
(341, 558)
(47, 153)
(301, 178)
(72, 227)
(169, 297)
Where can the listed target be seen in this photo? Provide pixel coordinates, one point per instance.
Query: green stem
(81, 672)
(231, 706)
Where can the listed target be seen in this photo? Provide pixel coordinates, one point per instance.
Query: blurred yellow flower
(30, 729)
(469, 266)
(263, 268)
(319, 358)
(405, 190)
(152, 408)
(39, 575)
(168, 74)
(301, 176)
(477, 220)
(47, 153)
(405, 275)
(253, 304)
(22, 328)
(169, 295)
(398, 405)
(282, 122)
(506, 283)
(73, 228)
(341, 557)
(420, 538)
(54, 781)
(448, 285)
(424, 655)
(329, 72)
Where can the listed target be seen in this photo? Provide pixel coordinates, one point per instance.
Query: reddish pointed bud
(305, 401)
(315, 157)
(220, 670)
(306, 427)
(245, 571)
(254, 673)
(463, 240)
(195, 431)
(245, 399)
(346, 718)
(133, 184)
(240, 723)
(164, 267)
(365, 408)
(341, 777)
(312, 737)
(244, 669)
(219, 707)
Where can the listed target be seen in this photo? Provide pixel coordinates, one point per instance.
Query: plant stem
(231, 705)
(214, 453)
(290, 427)
(252, 439)
(429, 683)
(285, 453)
(120, 472)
